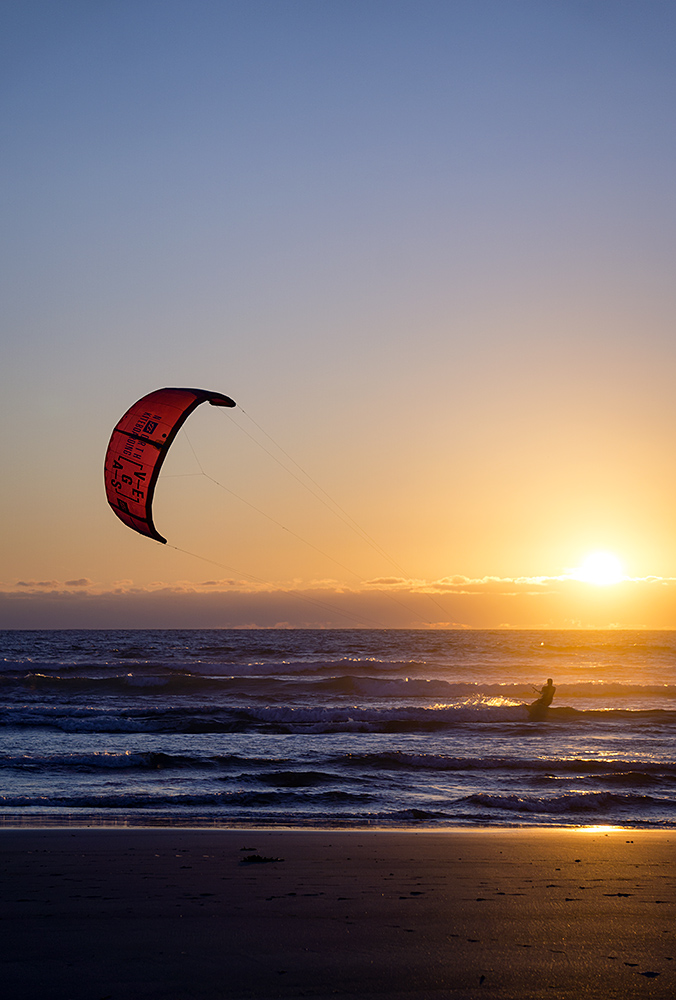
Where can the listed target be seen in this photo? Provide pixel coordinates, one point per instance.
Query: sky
(427, 247)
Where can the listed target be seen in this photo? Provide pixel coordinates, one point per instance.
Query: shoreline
(149, 823)
(228, 914)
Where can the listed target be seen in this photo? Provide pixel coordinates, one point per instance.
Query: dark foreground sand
(121, 914)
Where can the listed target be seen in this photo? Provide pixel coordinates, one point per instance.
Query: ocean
(337, 728)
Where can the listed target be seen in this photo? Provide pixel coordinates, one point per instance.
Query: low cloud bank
(391, 602)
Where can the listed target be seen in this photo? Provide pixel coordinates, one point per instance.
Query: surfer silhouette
(540, 706)
(546, 694)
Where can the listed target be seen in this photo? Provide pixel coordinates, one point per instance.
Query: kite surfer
(538, 709)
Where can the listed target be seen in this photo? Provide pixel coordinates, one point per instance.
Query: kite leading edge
(138, 447)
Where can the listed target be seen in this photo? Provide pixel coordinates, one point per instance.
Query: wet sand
(135, 914)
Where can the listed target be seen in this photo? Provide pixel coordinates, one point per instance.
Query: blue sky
(429, 247)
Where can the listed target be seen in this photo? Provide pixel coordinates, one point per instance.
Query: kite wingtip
(218, 399)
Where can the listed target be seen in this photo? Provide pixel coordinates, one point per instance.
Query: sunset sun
(600, 568)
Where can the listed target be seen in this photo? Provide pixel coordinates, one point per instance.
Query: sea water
(311, 728)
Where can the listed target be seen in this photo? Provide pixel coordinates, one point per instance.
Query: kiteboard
(537, 712)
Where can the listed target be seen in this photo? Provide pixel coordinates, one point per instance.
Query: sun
(600, 568)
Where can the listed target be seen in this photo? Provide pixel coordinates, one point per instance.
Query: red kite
(138, 447)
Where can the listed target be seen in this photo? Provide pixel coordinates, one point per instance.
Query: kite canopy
(138, 447)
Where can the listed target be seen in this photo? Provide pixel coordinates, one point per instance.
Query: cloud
(390, 602)
(492, 584)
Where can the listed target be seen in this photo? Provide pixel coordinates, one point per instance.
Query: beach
(162, 912)
(223, 815)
